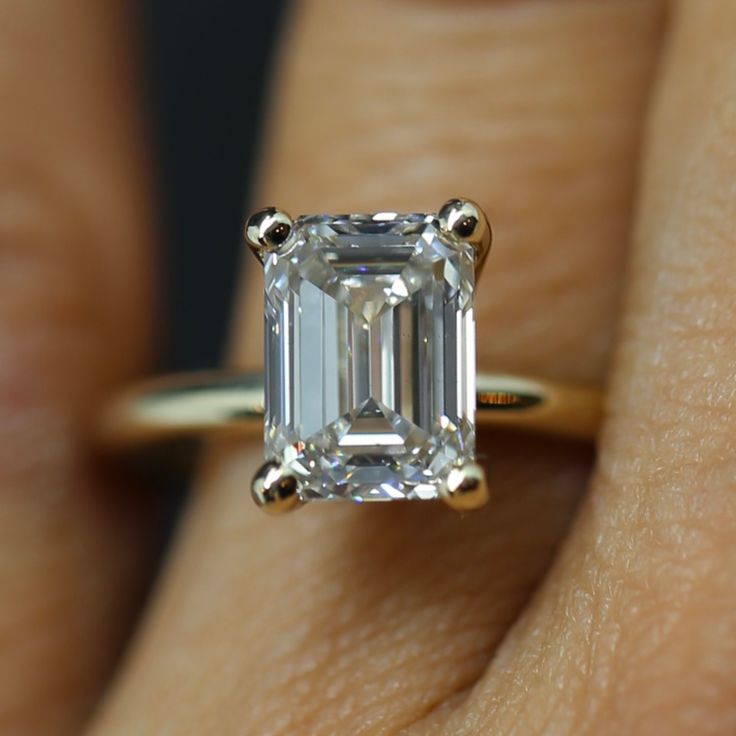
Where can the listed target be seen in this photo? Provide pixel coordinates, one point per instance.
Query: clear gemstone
(370, 356)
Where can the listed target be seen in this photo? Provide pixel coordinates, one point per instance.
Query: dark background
(207, 66)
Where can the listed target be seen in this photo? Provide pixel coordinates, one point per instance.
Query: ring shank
(231, 404)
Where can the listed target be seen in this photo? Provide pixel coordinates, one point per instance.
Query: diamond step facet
(370, 356)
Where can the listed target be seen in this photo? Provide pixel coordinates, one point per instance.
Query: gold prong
(275, 489)
(465, 488)
(466, 220)
(267, 230)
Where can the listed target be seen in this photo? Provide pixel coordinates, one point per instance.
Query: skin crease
(74, 253)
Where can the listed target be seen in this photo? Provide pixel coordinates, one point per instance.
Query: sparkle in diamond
(370, 361)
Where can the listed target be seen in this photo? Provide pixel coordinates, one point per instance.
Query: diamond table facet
(370, 356)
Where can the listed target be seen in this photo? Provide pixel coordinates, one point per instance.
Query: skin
(587, 597)
(75, 268)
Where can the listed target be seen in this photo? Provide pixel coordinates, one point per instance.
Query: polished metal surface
(275, 490)
(467, 221)
(466, 488)
(266, 230)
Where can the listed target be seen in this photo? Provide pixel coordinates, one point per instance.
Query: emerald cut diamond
(370, 356)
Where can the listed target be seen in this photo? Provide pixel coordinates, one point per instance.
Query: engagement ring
(369, 391)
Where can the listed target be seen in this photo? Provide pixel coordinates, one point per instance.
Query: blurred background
(208, 63)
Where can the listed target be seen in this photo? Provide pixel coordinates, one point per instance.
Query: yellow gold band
(231, 404)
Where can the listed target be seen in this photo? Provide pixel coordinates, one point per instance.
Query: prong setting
(467, 221)
(275, 490)
(465, 488)
(267, 230)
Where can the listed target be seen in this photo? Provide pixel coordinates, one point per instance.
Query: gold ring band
(231, 404)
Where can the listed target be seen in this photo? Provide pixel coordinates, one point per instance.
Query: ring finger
(339, 617)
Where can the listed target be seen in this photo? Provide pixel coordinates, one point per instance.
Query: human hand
(409, 619)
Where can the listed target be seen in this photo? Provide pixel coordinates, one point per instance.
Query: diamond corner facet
(370, 355)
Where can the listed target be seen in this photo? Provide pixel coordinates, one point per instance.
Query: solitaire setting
(370, 368)
(370, 391)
